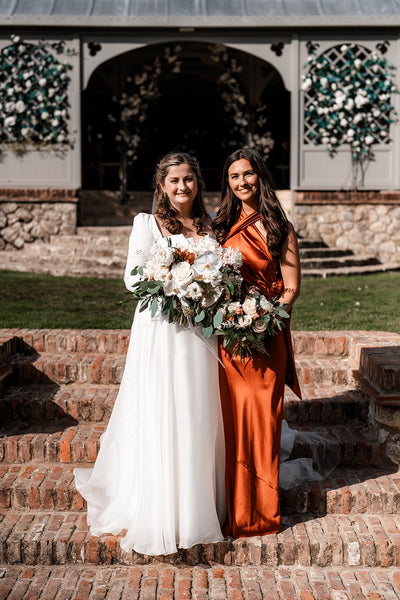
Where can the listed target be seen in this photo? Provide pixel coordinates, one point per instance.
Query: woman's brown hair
(164, 209)
(271, 212)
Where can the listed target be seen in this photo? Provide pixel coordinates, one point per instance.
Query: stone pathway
(340, 538)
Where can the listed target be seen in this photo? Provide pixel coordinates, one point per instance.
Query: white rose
(20, 106)
(42, 81)
(307, 84)
(44, 115)
(194, 291)
(9, 121)
(350, 133)
(369, 139)
(249, 306)
(161, 273)
(259, 325)
(162, 253)
(207, 243)
(206, 268)
(182, 273)
(244, 321)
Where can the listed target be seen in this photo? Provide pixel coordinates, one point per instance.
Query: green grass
(42, 301)
(351, 302)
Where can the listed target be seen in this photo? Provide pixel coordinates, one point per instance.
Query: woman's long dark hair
(272, 215)
(164, 210)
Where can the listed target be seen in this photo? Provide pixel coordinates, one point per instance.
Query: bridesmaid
(252, 220)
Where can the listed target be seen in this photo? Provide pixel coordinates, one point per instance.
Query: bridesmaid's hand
(290, 269)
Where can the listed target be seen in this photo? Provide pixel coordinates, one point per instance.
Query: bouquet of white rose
(188, 282)
(200, 284)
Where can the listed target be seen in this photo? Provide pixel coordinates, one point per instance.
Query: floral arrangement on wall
(132, 107)
(33, 94)
(348, 101)
(247, 126)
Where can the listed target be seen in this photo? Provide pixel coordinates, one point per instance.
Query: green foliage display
(348, 100)
(34, 105)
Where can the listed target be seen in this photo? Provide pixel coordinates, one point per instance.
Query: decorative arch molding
(112, 47)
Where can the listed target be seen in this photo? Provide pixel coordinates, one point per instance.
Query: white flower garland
(33, 95)
(349, 102)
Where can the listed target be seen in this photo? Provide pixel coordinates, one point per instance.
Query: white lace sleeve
(140, 241)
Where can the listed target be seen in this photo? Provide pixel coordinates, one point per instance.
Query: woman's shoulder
(143, 221)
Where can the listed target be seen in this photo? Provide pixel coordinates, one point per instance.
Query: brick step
(52, 402)
(324, 253)
(94, 403)
(310, 243)
(61, 442)
(338, 262)
(53, 264)
(104, 341)
(116, 232)
(329, 541)
(368, 490)
(359, 270)
(80, 247)
(313, 344)
(105, 369)
(166, 581)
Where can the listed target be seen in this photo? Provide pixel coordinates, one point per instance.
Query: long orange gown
(252, 399)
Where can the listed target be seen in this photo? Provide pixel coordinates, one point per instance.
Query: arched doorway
(208, 100)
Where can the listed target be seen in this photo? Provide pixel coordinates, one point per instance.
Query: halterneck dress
(252, 400)
(159, 474)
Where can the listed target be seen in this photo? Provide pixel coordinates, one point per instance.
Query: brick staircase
(58, 388)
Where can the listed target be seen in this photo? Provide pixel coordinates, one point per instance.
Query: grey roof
(200, 13)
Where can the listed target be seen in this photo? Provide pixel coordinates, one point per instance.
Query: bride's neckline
(171, 235)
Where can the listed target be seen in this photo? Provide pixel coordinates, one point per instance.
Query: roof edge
(198, 22)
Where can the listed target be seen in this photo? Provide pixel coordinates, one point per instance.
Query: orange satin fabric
(252, 399)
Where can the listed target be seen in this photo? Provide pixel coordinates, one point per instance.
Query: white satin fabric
(160, 471)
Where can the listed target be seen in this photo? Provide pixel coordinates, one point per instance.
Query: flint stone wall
(364, 222)
(28, 216)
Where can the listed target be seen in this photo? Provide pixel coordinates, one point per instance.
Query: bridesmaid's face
(180, 185)
(243, 182)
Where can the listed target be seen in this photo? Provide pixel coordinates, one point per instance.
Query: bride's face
(180, 185)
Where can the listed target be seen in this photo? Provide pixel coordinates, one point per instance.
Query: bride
(159, 474)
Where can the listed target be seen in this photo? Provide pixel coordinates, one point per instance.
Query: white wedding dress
(160, 471)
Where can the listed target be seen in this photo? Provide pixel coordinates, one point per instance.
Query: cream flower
(182, 273)
(244, 321)
(249, 306)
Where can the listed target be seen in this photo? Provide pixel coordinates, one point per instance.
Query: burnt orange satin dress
(252, 398)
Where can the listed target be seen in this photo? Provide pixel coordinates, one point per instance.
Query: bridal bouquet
(199, 284)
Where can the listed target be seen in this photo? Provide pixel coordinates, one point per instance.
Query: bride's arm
(140, 242)
(290, 269)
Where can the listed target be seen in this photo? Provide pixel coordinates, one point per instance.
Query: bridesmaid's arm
(290, 268)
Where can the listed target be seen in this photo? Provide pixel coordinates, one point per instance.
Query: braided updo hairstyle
(164, 210)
